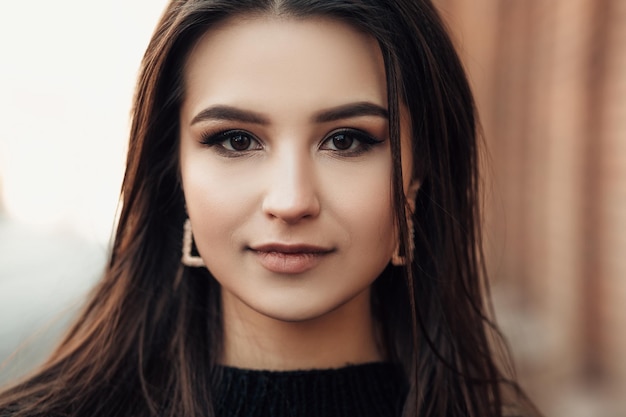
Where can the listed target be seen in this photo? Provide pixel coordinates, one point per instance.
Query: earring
(396, 259)
(188, 259)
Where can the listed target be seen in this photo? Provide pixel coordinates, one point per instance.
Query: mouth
(289, 259)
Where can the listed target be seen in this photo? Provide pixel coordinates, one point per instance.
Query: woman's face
(285, 163)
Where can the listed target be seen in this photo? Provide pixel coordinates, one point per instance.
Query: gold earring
(396, 259)
(188, 259)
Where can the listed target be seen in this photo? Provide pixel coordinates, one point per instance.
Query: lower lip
(289, 263)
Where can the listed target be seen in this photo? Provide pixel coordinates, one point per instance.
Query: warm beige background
(550, 80)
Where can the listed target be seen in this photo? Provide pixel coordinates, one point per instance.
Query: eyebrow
(351, 110)
(229, 113)
(346, 111)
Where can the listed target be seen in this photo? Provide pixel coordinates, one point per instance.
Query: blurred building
(550, 82)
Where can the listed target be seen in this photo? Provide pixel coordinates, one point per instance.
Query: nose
(291, 193)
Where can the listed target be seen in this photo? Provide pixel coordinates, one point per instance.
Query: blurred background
(550, 83)
(67, 74)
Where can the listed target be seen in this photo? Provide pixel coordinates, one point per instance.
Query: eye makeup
(232, 143)
(343, 142)
(349, 142)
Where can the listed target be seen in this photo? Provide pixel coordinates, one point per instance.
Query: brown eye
(349, 142)
(240, 142)
(232, 142)
(342, 141)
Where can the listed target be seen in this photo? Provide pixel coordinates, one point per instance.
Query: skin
(325, 212)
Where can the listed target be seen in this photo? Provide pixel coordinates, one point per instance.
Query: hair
(148, 340)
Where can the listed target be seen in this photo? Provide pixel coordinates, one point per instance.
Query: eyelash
(364, 141)
(217, 141)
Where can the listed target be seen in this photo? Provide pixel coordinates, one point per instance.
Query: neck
(343, 336)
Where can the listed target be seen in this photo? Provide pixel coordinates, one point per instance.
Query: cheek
(362, 202)
(378, 220)
(215, 201)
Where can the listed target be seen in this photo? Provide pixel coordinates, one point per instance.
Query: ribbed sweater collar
(374, 389)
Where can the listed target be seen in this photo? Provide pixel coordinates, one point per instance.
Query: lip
(289, 258)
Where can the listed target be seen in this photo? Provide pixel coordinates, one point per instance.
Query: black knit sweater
(374, 389)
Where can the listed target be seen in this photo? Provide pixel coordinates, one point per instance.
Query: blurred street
(550, 84)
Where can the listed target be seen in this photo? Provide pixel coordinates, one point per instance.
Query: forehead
(266, 60)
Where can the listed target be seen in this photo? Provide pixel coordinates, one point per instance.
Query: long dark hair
(148, 340)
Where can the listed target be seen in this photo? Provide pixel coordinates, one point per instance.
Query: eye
(349, 142)
(232, 141)
(238, 141)
(342, 141)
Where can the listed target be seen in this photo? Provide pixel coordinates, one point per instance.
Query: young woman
(315, 162)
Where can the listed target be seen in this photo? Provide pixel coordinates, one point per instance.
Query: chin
(294, 311)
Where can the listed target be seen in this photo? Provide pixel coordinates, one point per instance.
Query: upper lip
(290, 248)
